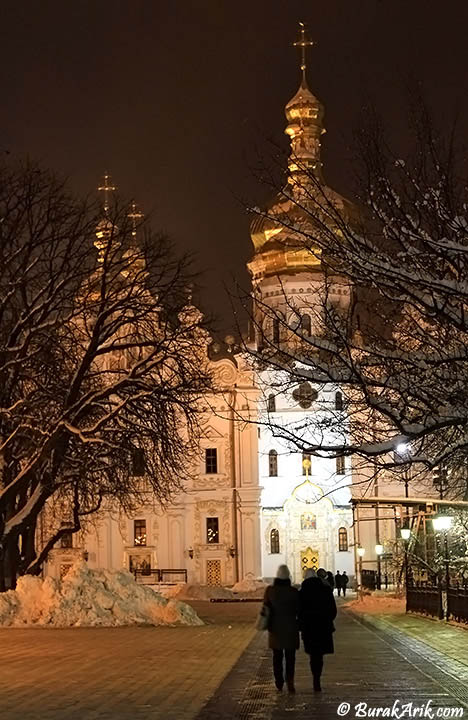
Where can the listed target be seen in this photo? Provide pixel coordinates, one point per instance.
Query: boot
(317, 686)
(291, 688)
(279, 685)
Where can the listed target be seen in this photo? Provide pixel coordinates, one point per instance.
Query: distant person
(338, 582)
(282, 601)
(331, 580)
(344, 583)
(317, 610)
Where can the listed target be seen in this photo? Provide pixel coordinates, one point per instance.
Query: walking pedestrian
(282, 601)
(331, 580)
(344, 582)
(338, 580)
(317, 610)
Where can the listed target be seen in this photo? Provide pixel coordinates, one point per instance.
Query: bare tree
(102, 363)
(397, 350)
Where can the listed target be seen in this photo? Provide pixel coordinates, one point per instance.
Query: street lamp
(403, 450)
(443, 523)
(405, 533)
(378, 551)
(360, 551)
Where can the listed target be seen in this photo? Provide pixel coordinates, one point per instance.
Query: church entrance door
(309, 560)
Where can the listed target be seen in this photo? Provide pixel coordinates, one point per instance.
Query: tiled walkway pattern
(119, 673)
(222, 670)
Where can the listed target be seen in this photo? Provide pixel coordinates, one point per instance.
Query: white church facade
(250, 502)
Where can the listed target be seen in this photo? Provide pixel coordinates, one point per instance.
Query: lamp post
(360, 551)
(378, 551)
(405, 533)
(443, 523)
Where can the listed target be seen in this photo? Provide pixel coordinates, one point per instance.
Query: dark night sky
(174, 97)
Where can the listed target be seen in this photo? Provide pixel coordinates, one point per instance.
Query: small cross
(106, 188)
(303, 42)
(135, 215)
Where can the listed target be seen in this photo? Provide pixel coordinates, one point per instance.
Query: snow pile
(169, 591)
(249, 585)
(90, 598)
(206, 592)
(377, 605)
(248, 588)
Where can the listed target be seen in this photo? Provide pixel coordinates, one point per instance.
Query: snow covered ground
(377, 605)
(247, 588)
(90, 598)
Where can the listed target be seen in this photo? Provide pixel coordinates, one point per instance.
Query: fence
(457, 602)
(431, 599)
(369, 579)
(151, 576)
(426, 600)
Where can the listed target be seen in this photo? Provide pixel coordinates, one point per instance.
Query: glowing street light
(360, 551)
(442, 523)
(379, 549)
(405, 533)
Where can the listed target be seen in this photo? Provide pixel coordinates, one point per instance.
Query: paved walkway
(132, 673)
(374, 663)
(223, 671)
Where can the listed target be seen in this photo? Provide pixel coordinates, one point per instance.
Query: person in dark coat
(338, 579)
(283, 631)
(317, 610)
(344, 582)
(331, 580)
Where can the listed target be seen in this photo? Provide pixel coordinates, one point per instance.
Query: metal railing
(457, 603)
(425, 599)
(157, 575)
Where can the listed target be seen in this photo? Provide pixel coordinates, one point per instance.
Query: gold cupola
(304, 113)
(278, 229)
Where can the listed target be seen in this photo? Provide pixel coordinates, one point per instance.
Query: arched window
(338, 400)
(342, 539)
(273, 463)
(306, 325)
(274, 542)
(306, 463)
(271, 403)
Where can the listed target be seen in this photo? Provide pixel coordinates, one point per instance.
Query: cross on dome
(304, 42)
(107, 187)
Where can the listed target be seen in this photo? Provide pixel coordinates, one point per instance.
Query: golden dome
(304, 106)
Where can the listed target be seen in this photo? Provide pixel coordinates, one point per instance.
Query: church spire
(105, 231)
(304, 114)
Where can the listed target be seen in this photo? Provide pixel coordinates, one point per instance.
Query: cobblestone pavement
(223, 670)
(121, 673)
(448, 638)
(374, 663)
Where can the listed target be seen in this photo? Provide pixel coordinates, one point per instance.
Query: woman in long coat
(317, 610)
(282, 601)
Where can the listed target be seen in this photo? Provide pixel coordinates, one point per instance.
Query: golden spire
(106, 188)
(135, 216)
(304, 42)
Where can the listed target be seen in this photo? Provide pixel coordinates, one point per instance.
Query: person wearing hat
(282, 601)
(317, 610)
